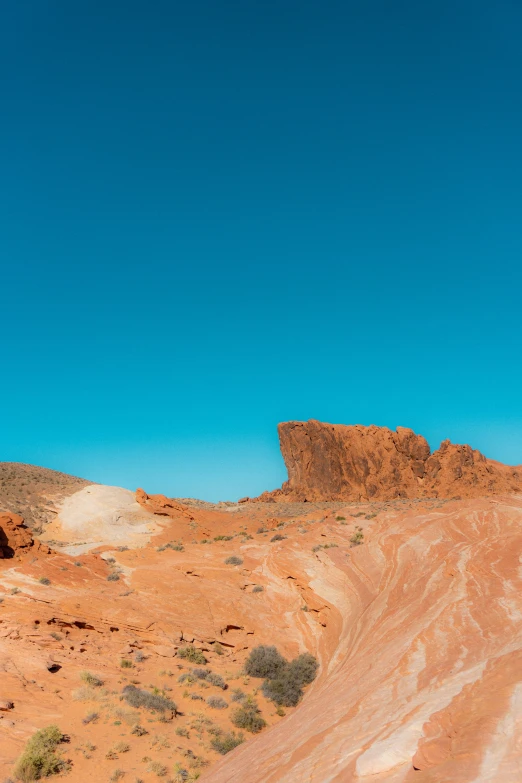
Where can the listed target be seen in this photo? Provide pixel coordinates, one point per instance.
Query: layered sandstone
(337, 462)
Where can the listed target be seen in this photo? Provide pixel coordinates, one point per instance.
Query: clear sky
(215, 216)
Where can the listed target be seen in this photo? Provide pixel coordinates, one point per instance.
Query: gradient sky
(215, 216)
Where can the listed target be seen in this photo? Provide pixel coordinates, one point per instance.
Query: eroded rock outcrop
(338, 462)
(15, 537)
(162, 505)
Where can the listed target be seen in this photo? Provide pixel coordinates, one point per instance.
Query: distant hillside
(34, 492)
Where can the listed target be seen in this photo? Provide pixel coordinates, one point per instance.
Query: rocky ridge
(338, 462)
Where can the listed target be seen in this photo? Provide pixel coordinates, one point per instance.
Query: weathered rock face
(338, 462)
(15, 538)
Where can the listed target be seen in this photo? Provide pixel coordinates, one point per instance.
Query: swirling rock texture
(338, 462)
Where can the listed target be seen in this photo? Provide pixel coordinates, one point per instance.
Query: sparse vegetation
(357, 538)
(39, 759)
(248, 717)
(44, 580)
(91, 717)
(159, 769)
(234, 560)
(118, 774)
(223, 538)
(113, 577)
(258, 589)
(217, 703)
(283, 681)
(224, 742)
(265, 661)
(139, 731)
(125, 663)
(278, 537)
(138, 698)
(91, 679)
(192, 654)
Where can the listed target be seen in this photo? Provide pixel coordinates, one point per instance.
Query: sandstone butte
(412, 605)
(339, 462)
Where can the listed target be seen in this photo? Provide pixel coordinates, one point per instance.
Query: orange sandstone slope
(338, 462)
(421, 653)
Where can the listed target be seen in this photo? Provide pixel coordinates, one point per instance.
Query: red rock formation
(162, 505)
(15, 538)
(338, 462)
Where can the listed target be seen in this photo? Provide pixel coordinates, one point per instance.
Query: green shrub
(225, 742)
(264, 661)
(223, 538)
(192, 654)
(234, 560)
(248, 717)
(283, 681)
(39, 758)
(91, 679)
(125, 663)
(137, 697)
(304, 668)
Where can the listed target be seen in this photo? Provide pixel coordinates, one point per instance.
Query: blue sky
(218, 216)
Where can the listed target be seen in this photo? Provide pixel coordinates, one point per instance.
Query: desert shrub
(175, 547)
(196, 697)
(357, 538)
(182, 732)
(234, 560)
(340, 519)
(223, 538)
(217, 680)
(159, 769)
(139, 731)
(304, 668)
(238, 695)
(91, 717)
(123, 549)
(200, 674)
(91, 679)
(283, 690)
(56, 636)
(77, 564)
(39, 758)
(264, 661)
(225, 742)
(137, 697)
(192, 654)
(138, 656)
(278, 537)
(248, 717)
(257, 589)
(44, 580)
(118, 774)
(125, 663)
(261, 530)
(122, 747)
(218, 648)
(110, 560)
(217, 703)
(286, 689)
(114, 577)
